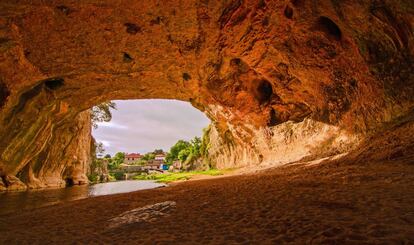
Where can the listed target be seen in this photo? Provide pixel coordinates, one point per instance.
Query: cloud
(145, 125)
(112, 125)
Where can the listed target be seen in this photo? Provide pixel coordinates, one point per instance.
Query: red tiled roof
(133, 155)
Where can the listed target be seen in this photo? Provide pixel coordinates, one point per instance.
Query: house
(154, 165)
(160, 157)
(132, 158)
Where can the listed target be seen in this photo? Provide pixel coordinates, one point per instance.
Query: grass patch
(170, 177)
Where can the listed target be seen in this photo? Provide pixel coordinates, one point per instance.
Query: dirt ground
(324, 203)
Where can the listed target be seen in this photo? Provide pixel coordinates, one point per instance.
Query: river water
(16, 201)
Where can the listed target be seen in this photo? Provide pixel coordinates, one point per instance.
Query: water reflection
(15, 201)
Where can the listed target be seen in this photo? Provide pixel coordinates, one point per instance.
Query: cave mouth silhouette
(141, 126)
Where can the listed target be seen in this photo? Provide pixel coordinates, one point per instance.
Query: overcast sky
(144, 125)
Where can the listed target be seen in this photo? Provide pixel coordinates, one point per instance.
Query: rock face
(281, 80)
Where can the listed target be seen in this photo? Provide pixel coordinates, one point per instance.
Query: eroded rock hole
(235, 61)
(4, 94)
(64, 9)
(329, 27)
(69, 182)
(127, 58)
(54, 83)
(265, 92)
(186, 76)
(156, 21)
(3, 179)
(288, 12)
(273, 120)
(132, 28)
(238, 65)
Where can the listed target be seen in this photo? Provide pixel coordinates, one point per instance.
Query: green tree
(205, 142)
(195, 146)
(184, 154)
(148, 156)
(107, 156)
(118, 158)
(158, 151)
(99, 149)
(175, 150)
(102, 113)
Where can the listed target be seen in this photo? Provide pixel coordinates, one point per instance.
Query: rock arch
(58, 60)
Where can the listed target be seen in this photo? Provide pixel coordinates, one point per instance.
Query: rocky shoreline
(329, 202)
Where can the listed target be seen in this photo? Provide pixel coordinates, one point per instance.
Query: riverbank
(176, 177)
(330, 203)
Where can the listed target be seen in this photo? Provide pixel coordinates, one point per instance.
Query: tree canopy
(158, 151)
(102, 113)
(175, 150)
(148, 156)
(116, 160)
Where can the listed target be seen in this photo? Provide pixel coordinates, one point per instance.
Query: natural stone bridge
(281, 80)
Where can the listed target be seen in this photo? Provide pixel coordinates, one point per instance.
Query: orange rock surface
(281, 80)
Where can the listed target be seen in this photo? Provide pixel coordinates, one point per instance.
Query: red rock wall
(282, 80)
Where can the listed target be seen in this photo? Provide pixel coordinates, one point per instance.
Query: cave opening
(311, 103)
(288, 12)
(265, 92)
(139, 134)
(329, 27)
(54, 83)
(69, 182)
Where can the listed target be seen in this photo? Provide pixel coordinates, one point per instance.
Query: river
(16, 201)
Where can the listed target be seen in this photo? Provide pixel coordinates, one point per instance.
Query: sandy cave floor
(327, 203)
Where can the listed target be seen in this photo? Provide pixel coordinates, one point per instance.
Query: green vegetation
(193, 154)
(93, 178)
(170, 177)
(176, 149)
(113, 176)
(114, 162)
(102, 113)
(205, 142)
(97, 168)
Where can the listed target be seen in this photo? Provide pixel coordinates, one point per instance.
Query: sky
(145, 125)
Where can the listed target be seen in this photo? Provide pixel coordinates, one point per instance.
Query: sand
(323, 203)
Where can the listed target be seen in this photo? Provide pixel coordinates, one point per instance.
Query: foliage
(99, 148)
(107, 156)
(170, 177)
(117, 160)
(111, 177)
(102, 113)
(205, 142)
(93, 177)
(97, 170)
(117, 175)
(148, 156)
(191, 152)
(158, 151)
(184, 153)
(141, 162)
(175, 150)
(195, 147)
